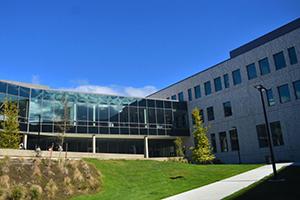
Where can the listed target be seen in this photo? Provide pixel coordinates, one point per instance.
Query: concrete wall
(245, 101)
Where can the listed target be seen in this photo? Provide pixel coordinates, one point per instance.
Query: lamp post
(261, 89)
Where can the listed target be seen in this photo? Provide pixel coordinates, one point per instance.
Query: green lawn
(125, 179)
(287, 189)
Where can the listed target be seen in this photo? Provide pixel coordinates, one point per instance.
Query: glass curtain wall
(95, 113)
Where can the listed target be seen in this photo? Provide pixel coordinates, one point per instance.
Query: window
(284, 93)
(251, 71)
(180, 96)
(296, 85)
(236, 76)
(223, 142)
(197, 92)
(270, 97)
(168, 98)
(292, 55)
(190, 94)
(227, 109)
(202, 115)
(213, 142)
(210, 113)
(12, 89)
(262, 135)
(226, 80)
(218, 84)
(276, 133)
(264, 66)
(207, 88)
(279, 60)
(234, 140)
(173, 97)
(3, 87)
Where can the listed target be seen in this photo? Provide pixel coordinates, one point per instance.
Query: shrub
(17, 193)
(4, 181)
(179, 148)
(35, 192)
(51, 189)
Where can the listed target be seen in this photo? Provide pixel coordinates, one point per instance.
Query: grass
(133, 179)
(287, 189)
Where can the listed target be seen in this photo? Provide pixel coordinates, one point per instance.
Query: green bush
(16, 193)
(35, 192)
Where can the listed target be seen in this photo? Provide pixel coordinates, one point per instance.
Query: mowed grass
(137, 179)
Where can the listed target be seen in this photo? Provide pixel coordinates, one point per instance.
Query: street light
(261, 89)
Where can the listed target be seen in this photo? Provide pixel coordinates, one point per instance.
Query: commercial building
(96, 122)
(232, 107)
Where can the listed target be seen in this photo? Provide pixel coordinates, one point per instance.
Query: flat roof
(295, 24)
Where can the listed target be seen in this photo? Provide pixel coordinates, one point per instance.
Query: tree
(202, 152)
(63, 123)
(179, 148)
(10, 134)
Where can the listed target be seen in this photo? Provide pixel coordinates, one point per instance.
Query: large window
(296, 85)
(223, 142)
(226, 80)
(251, 71)
(292, 55)
(190, 96)
(197, 91)
(3, 87)
(180, 96)
(210, 113)
(227, 109)
(234, 140)
(218, 84)
(207, 88)
(276, 133)
(279, 60)
(284, 93)
(270, 97)
(213, 142)
(262, 135)
(236, 76)
(264, 66)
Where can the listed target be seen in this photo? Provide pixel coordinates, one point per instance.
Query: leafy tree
(10, 134)
(179, 148)
(202, 152)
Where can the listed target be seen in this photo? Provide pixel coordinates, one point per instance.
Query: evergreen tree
(10, 135)
(179, 148)
(202, 152)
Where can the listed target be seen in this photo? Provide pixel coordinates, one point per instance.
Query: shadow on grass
(289, 188)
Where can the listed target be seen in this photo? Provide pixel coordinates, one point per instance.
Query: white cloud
(140, 92)
(115, 90)
(35, 79)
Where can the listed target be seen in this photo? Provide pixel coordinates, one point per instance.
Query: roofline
(42, 87)
(188, 77)
(295, 24)
(266, 38)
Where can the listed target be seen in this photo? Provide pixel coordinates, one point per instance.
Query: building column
(94, 144)
(25, 141)
(146, 150)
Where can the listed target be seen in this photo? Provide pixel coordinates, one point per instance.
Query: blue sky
(127, 47)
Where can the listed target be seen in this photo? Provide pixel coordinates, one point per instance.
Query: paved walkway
(226, 187)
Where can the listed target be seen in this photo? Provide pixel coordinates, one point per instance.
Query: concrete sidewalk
(226, 187)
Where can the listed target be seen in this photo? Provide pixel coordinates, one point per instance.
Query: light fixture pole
(261, 88)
